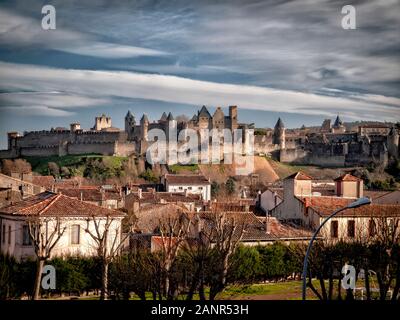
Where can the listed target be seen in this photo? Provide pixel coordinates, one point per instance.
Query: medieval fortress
(328, 145)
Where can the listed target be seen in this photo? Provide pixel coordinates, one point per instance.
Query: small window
(351, 228)
(9, 234)
(75, 234)
(334, 229)
(180, 188)
(26, 238)
(372, 228)
(200, 188)
(190, 188)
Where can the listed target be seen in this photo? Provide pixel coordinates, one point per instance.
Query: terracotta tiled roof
(52, 204)
(84, 193)
(90, 193)
(238, 205)
(324, 206)
(157, 242)
(186, 179)
(376, 194)
(44, 181)
(299, 176)
(73, 182)
(148, 219)
(347, 177)
(112, 194)
(255, 228)
(285, 230)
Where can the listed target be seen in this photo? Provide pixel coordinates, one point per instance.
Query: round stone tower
(279, 134)
(144, 127)
(130, 123)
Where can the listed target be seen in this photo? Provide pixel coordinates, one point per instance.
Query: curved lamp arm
(358, 203)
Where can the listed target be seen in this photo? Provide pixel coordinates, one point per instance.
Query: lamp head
(359, 202)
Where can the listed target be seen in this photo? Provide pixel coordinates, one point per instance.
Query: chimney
(81, 196)
(139, 193)
(267, 231)
(307, 203)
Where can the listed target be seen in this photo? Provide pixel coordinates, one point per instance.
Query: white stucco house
(72, 216)
(189, 183)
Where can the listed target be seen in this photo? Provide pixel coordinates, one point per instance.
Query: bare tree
(18, 165)
(385, 257)
(226, 230)
(199, 252)
(7, 166)
(375, 247)
(174, 229)
(53, 169)
(43, 243)
(22, 166)
(108, 244)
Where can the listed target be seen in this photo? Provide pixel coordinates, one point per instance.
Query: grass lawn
(287, 290)
(77, 162)
(191, 168)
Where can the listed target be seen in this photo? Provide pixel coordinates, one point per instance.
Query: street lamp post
(358, 203)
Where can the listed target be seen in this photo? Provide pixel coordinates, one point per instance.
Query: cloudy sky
(271, 58)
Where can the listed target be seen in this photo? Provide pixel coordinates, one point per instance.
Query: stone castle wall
(49, 138)
(104, 148)
(299, 156)
(292, 155)
(39, 151)
(63, 142)
(125, 149)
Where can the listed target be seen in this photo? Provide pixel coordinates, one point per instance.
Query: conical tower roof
(129, 114)
(279, 124)
(144, 118)
(204, 112)
(338, 122)
(170, 117)
(163, 117)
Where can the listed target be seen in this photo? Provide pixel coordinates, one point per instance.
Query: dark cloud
(287, 46)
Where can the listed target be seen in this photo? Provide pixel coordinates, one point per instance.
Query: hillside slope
(220, 173)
